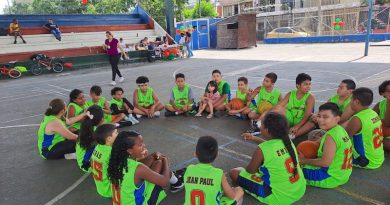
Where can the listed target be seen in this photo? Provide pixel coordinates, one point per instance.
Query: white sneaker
(121, 79)
(113, 83)
(157, 114)
(117, 125)
(70, 156)
(132, 119)
(291, 136)
(138, 116)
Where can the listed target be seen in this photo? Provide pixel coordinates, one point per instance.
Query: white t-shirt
(182, 40)
(123, 45)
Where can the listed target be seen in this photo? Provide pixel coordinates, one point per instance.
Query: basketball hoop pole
(368, 27)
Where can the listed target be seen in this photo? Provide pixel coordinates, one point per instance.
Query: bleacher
(82, 35)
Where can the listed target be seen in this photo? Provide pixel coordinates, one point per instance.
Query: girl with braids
(133, 182)
(273, 175)
(75, 108)
(86, 142)
(54, 139)
(333, 167)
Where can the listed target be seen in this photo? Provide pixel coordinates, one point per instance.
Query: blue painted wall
(74, 20)
(328, 39)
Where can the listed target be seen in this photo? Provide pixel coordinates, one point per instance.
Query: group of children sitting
(352, 134)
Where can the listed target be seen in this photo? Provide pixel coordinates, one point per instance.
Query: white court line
(21, 118)
(12, 99)
(59, 87)
(12, 96)
(68, 190)
(16, 126)
(365, 79)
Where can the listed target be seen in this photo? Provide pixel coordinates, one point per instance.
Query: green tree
(206, 10)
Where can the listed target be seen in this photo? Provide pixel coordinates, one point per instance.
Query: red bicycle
(12, 71)
(48, 63)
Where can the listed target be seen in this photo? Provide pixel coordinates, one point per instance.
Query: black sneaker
(179, 185)
(169, 113)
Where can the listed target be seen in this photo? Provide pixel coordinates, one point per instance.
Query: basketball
(236, 104)
(263, 107)
(309, 149)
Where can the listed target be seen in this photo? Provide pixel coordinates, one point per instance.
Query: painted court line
(16, 126)
(21, 118)
(59, 87)
(68, 190)
(359, 197)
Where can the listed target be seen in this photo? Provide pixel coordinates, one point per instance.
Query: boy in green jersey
(182, 98)
(365, 129)
(97, 99)
(122, 110)
(267, 97)
(333, 167)
(273, 175)
(383, 110)
(298, 105)
(137, 178)
(242, 93)
(206, 184)
(145, 99)
(223, 89)
(343, 101)
(75, 108)
(105, 136)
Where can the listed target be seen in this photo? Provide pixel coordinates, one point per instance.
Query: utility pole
(169, 15)
(370, 3)
(200, 13)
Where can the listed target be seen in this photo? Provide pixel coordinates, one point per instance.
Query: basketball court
(28, 179)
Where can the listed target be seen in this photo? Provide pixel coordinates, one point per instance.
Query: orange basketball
(308, 148)
(236, 104)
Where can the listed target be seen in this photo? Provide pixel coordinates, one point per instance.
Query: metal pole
(200, 14)
(370, 3)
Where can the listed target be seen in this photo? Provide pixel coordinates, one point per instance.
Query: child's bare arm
(329, 151)
(256, 161)
(353, 126)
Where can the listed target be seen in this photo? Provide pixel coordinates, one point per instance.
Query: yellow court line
(357, 196)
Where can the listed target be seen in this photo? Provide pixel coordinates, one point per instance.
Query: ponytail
(55, 107)
(278, 128)
(92, 119)
(119, 156)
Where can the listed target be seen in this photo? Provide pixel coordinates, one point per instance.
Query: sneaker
(179, 185)
(138, 116)
(113, 83)
(192, 112)
(157, 114)
(198, 115)
(121, 79)
(117, 125)
(168, 113)
(70, 156)
(24, 41)
(291, 136)
(132, 119)
(15, 42)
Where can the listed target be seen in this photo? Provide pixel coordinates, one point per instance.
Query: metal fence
(308, 18)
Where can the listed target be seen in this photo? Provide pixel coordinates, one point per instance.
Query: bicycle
(49, 64)
(12, 71)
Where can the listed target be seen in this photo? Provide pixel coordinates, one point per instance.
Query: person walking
(188, 45)
(111, 45)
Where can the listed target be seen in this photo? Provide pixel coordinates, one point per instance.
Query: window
(235, 9)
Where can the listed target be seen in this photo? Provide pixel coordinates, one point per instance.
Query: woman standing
(188, 45)
(111, 45)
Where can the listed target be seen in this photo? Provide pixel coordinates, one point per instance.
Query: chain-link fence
(302, 18)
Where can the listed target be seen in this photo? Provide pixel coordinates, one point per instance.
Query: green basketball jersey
(83, 157)
(242, 96)
(220, 90)
(99, 164)
(297, 107)
(382, 108)
(342, 106)
(264, 95)
(46, 141)
(368, 143)
(145, 100)
(181, 96)
(203, 184)
(131, 194)
(100, 103)
(78, 111)
(118, 103)
(277, 172)
(341, 167)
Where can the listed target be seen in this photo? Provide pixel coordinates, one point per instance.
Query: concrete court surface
(28, 179)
